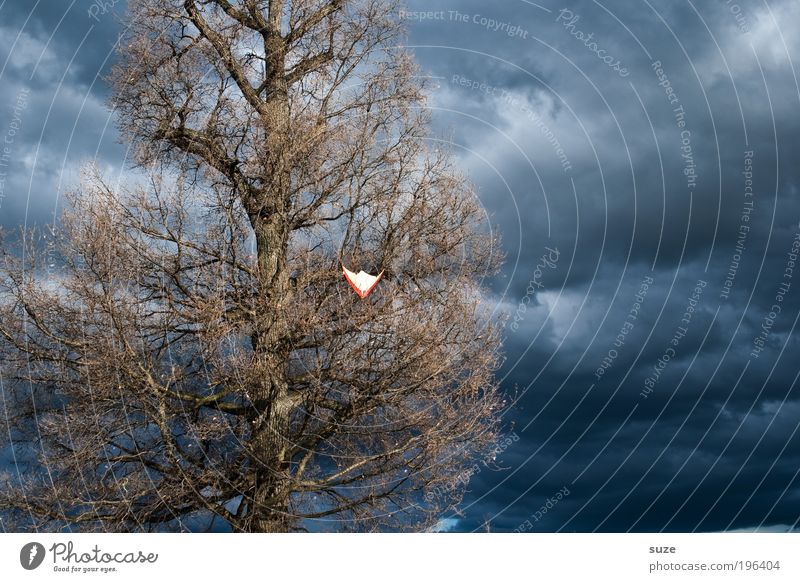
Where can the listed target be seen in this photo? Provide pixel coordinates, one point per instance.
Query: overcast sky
(640, 161)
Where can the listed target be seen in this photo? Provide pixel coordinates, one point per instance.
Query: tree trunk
(269, 511)
(271, 351)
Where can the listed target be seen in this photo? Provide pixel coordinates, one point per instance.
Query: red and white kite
(362, 283)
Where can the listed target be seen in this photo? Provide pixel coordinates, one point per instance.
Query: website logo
(31, 555)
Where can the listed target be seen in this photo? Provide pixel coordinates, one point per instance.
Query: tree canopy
(196, 353)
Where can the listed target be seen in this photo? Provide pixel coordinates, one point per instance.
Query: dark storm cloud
(52, 58)
(517, 106)
(569, 154)
(83, 29)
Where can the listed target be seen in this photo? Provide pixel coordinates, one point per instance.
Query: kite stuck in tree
(362, 283)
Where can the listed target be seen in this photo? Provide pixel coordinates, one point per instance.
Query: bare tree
(196, 353)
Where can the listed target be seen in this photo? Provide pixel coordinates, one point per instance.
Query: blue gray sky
(639, 160)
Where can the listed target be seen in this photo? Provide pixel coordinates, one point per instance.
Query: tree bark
(270, 503)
